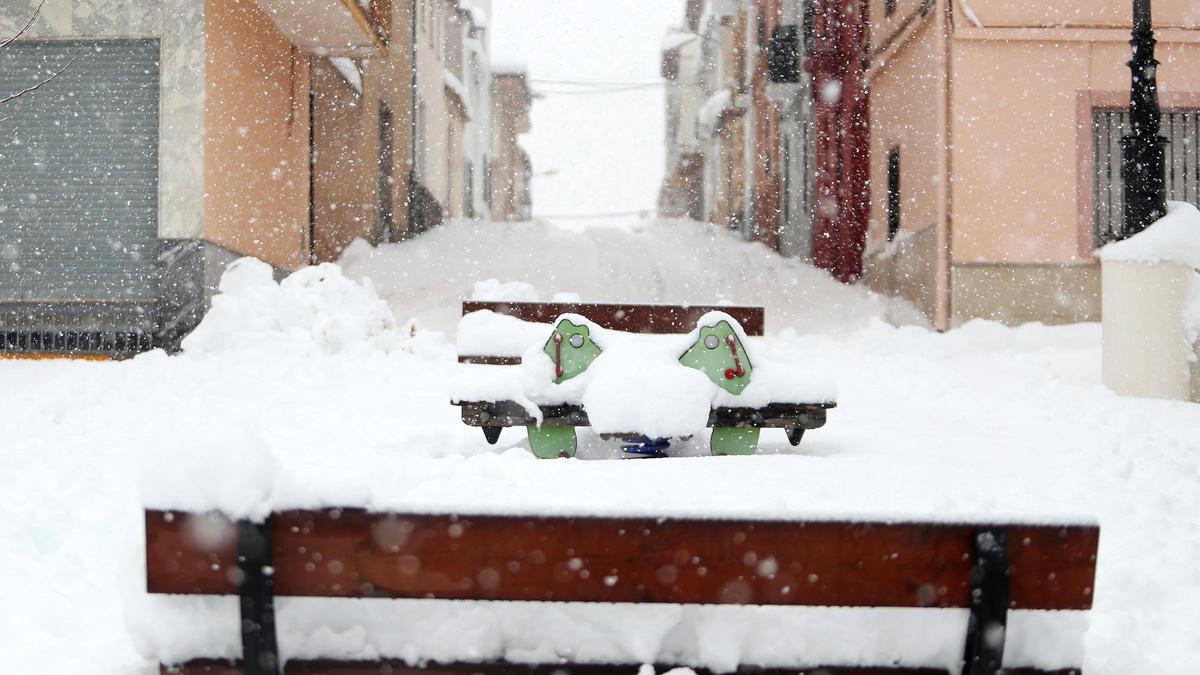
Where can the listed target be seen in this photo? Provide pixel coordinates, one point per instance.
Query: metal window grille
(1182, 130)
(115, 343)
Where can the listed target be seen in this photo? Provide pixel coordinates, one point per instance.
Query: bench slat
(630, 318)
(353, 553)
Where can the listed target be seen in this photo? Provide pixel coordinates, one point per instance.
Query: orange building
(183, 135)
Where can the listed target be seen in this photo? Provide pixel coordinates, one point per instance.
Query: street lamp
(1143, 153)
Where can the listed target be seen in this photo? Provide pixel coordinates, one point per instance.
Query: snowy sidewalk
(984, 420)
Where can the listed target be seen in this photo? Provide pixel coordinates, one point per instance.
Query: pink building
(995, 156)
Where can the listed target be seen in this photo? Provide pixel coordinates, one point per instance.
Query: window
(1181, 127)
(889, 7)
(893, 193)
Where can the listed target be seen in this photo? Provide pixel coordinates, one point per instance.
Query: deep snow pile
(677, 262)
(985, 421)
(315, 310)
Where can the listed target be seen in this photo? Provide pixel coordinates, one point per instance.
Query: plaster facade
(990, 104)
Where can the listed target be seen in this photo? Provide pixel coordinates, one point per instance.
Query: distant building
(477, 80)
(682, 192)
(511, 169)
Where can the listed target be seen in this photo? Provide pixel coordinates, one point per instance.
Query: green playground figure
(572, 350)
(720, 354)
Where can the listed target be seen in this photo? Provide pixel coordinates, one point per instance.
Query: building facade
(962, 155)
(180, 136)
(511, 169)
(995, 131)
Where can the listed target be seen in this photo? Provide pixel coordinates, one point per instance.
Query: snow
(636, 385)
(1173, 238)
(509, 66)
(673, 262)
(711, 111)
(494, 290)
(315, 310)
(677, 38)
(285, 390)
(348, 70)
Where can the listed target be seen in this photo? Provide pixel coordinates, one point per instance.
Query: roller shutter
(79, 171)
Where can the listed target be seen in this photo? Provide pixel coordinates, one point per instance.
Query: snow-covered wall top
(1174, 238)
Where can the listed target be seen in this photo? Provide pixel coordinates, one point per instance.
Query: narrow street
(289, 393)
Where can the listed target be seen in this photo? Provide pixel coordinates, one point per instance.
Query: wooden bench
(986, 568)
(493, 416)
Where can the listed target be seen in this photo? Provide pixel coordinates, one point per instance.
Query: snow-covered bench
(635, 387)
(987, 569)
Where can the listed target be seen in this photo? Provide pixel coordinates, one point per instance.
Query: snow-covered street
(314, 383)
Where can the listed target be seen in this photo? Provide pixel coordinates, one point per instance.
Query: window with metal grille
(893, 193)
(1182, 131)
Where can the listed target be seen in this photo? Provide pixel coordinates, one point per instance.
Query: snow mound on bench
(316, 310)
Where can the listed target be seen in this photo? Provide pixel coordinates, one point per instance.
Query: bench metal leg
(260, 653)
(795, 435)
(492, 434)
(991, 578)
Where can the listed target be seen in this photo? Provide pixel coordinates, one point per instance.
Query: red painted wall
(842, 137)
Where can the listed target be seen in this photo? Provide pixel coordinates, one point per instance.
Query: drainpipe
(312, 167)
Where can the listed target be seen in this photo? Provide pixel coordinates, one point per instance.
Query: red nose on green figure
(719, 353)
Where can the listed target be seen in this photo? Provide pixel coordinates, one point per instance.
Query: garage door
(79, 171)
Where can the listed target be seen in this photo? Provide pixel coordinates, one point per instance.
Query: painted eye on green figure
(577, 340)
(712, 342)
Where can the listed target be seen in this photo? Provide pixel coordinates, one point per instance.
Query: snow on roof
(479, 15)
(505, 67)
(677, 38)
(1174, 238)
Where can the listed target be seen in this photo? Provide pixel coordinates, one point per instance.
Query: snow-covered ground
(311, 391)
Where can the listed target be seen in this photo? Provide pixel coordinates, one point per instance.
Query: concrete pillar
(1147, 351)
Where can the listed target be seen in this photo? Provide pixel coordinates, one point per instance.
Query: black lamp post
(1143, 156)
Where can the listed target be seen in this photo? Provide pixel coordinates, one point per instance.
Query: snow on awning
(324, 27)
(713, 109)
(675, 39)
(349, 72)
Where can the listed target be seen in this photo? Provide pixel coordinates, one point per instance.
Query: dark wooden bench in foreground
(987, 568)
(494, 416)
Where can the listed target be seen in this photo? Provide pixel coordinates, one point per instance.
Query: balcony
(326, 27)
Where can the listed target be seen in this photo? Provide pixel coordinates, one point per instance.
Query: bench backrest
(986, 568)
(630, 318)
(815, 563)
